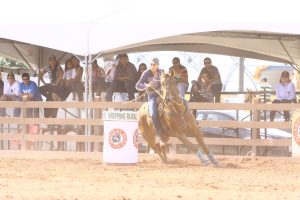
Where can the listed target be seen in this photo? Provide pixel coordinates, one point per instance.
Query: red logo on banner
(296, 131)
(117, 138)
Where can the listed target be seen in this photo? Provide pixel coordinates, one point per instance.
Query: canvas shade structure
(90, 27)
(93, 27)
(32, 55)
(259, 45)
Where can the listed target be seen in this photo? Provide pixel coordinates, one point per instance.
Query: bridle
(171, 99)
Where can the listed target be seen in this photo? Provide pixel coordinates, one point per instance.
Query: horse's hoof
(213, 160)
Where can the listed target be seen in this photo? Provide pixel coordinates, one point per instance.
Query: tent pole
(241, 74)
(41, 57)
(293, 64)
(97, 56)
(61, 57)
(88, 77)
(29, 65)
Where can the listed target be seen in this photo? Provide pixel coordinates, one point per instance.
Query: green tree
(11, 63)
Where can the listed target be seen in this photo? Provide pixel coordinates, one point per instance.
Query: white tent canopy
(33, 55)
(259, 45)
(90, 27)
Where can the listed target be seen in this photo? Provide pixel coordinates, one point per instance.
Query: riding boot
(202, 157)
(213, 160)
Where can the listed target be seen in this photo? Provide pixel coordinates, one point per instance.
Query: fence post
(24, 125)
(255, 131)
(98, 130)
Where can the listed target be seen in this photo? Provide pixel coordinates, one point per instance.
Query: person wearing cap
(181, 76)
(11, 92)
(150, 82)
(124, 77)
(29, 91)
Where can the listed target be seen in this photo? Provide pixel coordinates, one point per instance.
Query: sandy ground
(62, 175)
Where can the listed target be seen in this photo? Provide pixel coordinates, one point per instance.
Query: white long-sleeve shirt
(13, 89)
(285, 91)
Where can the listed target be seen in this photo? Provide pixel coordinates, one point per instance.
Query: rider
(150, 82)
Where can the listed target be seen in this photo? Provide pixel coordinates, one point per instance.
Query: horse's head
(168, 86)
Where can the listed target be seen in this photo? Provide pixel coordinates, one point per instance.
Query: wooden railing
(23, 136)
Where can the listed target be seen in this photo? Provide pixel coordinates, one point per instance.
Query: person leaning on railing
(215, 78)
(125, 76)
(285, 93)
(11, 92)
(29, 91)
(181, 76)
(201, 90)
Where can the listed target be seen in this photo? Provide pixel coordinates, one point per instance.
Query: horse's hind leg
(149, 137)
(161, 151)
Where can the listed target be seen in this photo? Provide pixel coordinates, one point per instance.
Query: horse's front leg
(198, 135)
(193, 148)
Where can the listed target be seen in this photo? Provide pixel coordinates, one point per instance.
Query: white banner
(120, 140)
(296, 134)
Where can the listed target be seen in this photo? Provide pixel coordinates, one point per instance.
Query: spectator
(111, 72)
(181, 76)
(285, 93)
(11, 92)
(1, 85)
(67, 82)
(77, 84)
(29, 91)
(201, 91)
(149, 81)
(266, 89)
(216, 83)
(125, 76)
(141, 69)
(98, 79)
(50, 90)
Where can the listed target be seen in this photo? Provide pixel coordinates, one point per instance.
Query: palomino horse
(176, 120)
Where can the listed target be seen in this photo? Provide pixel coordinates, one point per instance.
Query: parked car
(243, 133)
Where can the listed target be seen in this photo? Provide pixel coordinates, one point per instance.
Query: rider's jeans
(153, 111)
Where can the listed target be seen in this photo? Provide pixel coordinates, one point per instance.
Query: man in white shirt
(11, 92)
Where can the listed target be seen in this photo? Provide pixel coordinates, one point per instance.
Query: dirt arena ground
(62, 175)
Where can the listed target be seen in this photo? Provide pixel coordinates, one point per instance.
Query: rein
(133, 100)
